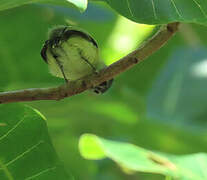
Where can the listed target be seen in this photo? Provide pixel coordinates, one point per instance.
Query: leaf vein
(201, 9)
(40, 173)
(25, 152)
(128, 5)
(12, 129)
(153, 8)
(176, 9)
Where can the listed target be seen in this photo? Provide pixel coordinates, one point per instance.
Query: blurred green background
(160, 104)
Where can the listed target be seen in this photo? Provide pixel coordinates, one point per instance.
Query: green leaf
(162, 11)
(26, 151)
(133, 158)
(80, 4)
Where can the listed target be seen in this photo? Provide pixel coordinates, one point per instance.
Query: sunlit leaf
(133, 36)
(81, 4)
(133, 158)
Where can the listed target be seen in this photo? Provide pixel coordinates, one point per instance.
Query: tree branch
(76, 87)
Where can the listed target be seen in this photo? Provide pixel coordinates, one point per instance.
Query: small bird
(72, 54)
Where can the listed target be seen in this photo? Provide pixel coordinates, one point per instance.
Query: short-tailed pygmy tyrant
(72, 54)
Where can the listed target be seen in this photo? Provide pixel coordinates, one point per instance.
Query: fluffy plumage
(72, 54)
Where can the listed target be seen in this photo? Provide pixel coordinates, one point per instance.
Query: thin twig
(76, 87)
